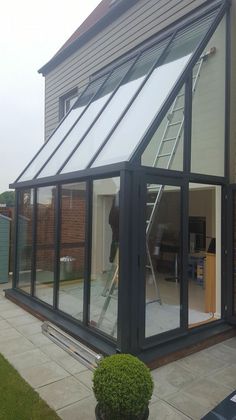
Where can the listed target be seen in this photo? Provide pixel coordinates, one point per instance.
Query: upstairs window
(67, 101)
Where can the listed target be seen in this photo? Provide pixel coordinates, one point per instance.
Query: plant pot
(99, 415)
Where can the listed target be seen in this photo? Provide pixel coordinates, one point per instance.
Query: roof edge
(115, 12)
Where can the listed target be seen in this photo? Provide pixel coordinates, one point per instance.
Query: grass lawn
(18, 401)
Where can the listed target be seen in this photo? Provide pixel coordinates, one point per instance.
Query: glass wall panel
(62, 130)
(165, 149)
(163, 252)
(45, 242)
(85, 121)
(148, 103)
(24, 239)
(105, 256)
(208, 112)
(117, 105)
(204, 260)
(72, 244)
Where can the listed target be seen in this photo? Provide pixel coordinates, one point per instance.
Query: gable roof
(105, 13)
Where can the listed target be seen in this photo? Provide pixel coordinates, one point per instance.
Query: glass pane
(45, 241)
(163, 215)
(24, 240)
(72, 244)
(62, 130)
(165, 149)
(204, 261)
(208, 113)
(146, 106)
(117, 105)
(85, 121)
(105, 255)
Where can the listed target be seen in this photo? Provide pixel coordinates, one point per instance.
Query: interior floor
(161, 315)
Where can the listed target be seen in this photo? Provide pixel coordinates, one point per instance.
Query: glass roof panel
(62, 130)
(124, 140)
(86, 120)
(111, 117)
(107, 120)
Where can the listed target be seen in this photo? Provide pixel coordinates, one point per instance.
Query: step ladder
(173, 140)
(111, 292)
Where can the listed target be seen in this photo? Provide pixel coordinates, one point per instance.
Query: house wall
(232, 129)
(136, 25)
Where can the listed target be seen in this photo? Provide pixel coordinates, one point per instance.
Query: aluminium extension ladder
(111, 291)
(174, 141)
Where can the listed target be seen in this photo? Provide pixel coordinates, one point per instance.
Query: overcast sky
(31, 32)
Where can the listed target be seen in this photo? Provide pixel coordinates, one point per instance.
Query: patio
(186, 389)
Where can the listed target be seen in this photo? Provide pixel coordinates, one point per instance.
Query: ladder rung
(163, 155)
(177, 109)
(175, 123)
(169, 139)
(180, 95)
(156, 187)
(150, 204)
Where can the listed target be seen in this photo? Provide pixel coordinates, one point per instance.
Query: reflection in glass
(163, 259)
(165, 149)
(117, 105)
(61, 131)
(45, 240)
(24, 241)
(204, 260)
(105, 255)
(85, 121)
(72, 245)
(208, 112)
(147, 104)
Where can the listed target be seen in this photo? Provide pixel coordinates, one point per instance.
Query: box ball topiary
(123, 386)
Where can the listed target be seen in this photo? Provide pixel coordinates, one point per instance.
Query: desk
(208, 261)
(196, 266)
(210, 276)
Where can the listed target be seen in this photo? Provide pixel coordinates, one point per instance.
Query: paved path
(186, 389)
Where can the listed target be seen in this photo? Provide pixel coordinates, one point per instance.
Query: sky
(31, 32)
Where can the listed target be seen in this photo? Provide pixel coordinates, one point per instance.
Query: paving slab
(43, 374)
(171, 378)
(163, 411)
(202, 363)
(30, 329)
(226, 376)
(207, 392)
(82, 410)
(64, 392)
(222, 352)
(23, 320)
(86, 378)
(39, 339)
(15, 346)
(187, 405)
(28, 359)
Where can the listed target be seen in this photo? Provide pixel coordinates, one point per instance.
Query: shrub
(123, 386)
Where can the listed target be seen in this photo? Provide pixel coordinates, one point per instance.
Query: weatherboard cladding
(136, 25)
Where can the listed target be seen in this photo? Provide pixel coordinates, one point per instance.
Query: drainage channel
(79, 351)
